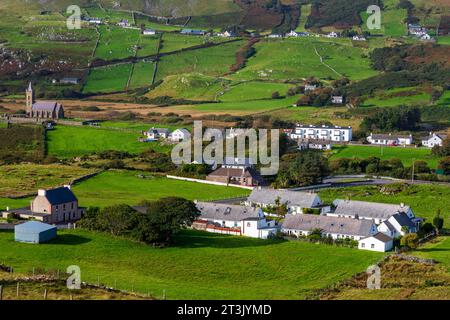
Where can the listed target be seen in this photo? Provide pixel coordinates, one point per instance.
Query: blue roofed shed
(34, 232)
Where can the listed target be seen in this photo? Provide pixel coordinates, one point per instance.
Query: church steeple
(29, 93)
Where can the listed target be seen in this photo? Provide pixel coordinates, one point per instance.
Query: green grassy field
(297, 59)
(112, 16)
(28, 178)
(425, 200)
(399, 96)
(192, 86)
(445, 40)
(241, 107)
(253, 90)
(305, 11)
(142, 74)
(115, 187)
(392, 20)
(406, 155)
(116, 43)
(68, 142)
(108, 79)
(445, 99)
(175, 41)
(198, 266)
(148, 45)
(439, 251)
(213, 61)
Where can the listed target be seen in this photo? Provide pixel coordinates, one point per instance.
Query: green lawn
(297, 59)
(400, 96)
(22, 179)
(108, 79)
(142, 74)
(213, 61)
(425, 200)
(242, 107)
(198, 266)
(117, 43)
(115, 187)
(439, 251)
(68, 141)
(406, 155)
(148, 45)
(175, 41)
(253, 90)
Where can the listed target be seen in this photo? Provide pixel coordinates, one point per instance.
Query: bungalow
(149, 32)
(94, 21)
(398, 225)
(275, 35)
(226, 34)
(310, 87)
(359, 38)
(434, 139)
(295, 201)
(53, 206)
(180, 135)
(416, 29)
(192, 32)
(293, 34)
(390, 139)
(332, 35)
(378, 242)
(157, 133)
(69, 81)
(378, 212)
(124, 23)
(234, 219)
(337, 100)
(336, 228)
(316, 144)
(426, 37)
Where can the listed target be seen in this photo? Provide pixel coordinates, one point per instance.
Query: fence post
(18, 289)
(1, 292)
(45, 294)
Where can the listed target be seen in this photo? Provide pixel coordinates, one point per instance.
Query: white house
(293, 34)
(331, 133)
(390, 139)
(377, 242)
(157, 133)
(95, 21)
(378, 212)
(124, 23)
(226, 34)
(295, 201)
(434, 139)
(332, 35)
(359, 38)
(180, 135)
(275, 35)
(337, 100)
(425, 37)
(398, 225)
(336, 228)
(310, 87)
(417, 30)
(234, 219)
(316, 144)
(149, 32)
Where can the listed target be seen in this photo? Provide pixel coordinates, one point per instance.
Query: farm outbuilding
(34, 232)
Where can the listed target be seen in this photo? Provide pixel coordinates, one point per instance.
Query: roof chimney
(68, 186)
(402, 205)
(42, 192)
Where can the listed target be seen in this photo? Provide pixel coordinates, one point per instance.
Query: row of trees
(163, 219)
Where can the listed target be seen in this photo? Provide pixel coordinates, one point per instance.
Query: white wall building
(234, 219)
(434, 139)
(331, 133)
(390, 139)
(378, 242)
(180, 135)
(295, 201)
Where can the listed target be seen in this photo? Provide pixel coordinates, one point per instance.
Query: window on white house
(372, 246)
(363, 245)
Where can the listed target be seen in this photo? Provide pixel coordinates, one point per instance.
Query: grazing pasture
(68, 142)
(253, 90)
(108, 79)
(406, 155)
(117, 43)
(132, 187)
(198, 266)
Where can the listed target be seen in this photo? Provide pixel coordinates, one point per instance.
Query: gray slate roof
(60, 195)
(291, 198)
(382, 237)
(403, 220)
(308, 222)
(227, 212)
(49, 106)
(367, 209)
